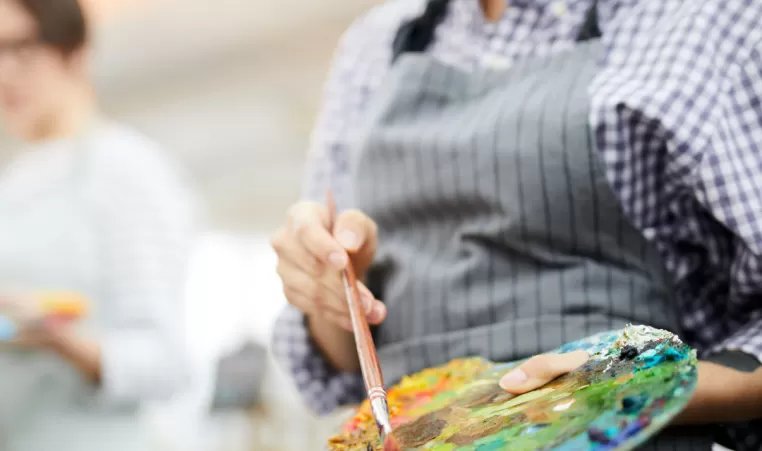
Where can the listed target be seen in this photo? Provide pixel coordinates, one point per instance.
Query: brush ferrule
(376, 392)
(380, 410)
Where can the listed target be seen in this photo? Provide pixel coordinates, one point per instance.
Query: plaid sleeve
(677, 116)
(677, 112)
(323, 388)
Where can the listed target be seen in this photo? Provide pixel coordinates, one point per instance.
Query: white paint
(562, 407)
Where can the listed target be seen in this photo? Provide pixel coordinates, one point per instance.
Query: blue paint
(534, 428)
(653, 357)
(597, 435)
(627, 432)
(673, 355)
(8, 329)
(592, 345)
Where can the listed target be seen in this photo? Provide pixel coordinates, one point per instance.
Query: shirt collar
(473, 5)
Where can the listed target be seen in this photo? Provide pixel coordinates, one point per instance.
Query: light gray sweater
(105, 215)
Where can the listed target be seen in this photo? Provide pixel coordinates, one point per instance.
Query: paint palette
(635, 382)
(42, 309)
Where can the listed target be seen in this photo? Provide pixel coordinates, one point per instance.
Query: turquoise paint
(8, 329)
(494, 445)
(656, 356)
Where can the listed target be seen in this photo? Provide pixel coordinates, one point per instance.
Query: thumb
(541, 369)
(358, 234)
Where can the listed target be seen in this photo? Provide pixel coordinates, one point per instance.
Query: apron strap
(590, 29)
(416, 34)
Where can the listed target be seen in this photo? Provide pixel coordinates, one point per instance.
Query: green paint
(492, 444)
(443, 447)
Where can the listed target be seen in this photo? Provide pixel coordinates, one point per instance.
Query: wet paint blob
(633, 404)
(421, 431)
(628, 352)
(597, 435)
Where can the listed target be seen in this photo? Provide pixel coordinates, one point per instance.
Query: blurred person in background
(91, 207)
(473, 148)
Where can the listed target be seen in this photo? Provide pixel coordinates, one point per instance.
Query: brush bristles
(390, 444)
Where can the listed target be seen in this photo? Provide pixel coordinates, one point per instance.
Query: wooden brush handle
(366, 349)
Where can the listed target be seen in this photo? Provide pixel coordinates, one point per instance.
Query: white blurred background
(231, 88)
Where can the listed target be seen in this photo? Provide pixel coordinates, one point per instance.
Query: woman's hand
(722, 394)
(57, 336)
(311, 257)
(23, 324)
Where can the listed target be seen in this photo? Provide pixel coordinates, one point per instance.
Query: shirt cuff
(747, 340)
(322, 387)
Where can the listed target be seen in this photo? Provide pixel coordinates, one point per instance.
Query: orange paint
(63, 305)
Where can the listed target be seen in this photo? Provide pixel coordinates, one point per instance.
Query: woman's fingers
(318, 296)
(318, 241)
(541, 369)
(358, 234)
(294, 254)
(377, 313)
(306, 229)
(311, 289)
(310, 260)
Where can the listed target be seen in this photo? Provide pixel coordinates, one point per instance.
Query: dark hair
(61, 23)
(416, 34)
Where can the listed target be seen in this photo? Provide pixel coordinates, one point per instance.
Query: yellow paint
(61, 303)
(624, 378)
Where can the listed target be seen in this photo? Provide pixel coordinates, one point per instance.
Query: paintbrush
(366, 349)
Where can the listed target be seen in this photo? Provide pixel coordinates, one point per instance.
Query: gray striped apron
(498, 233)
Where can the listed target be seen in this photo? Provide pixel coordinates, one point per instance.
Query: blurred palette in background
(62, 306)
(42, 309)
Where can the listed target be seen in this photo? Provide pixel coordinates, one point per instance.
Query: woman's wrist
(82, 354)
(724, 395)
(336, 344)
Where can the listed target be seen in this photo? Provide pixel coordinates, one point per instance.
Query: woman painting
(515, 175)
